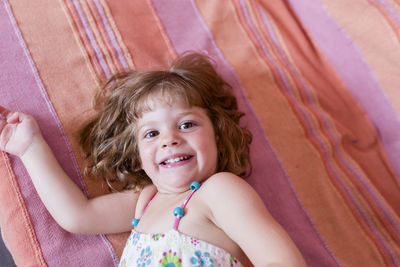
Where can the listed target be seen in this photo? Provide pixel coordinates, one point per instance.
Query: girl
(172, 139)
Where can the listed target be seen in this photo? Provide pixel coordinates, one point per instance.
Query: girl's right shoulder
(145, 196)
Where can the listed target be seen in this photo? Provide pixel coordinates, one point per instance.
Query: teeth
(176, 159)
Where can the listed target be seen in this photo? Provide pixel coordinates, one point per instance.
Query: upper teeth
(176, 159)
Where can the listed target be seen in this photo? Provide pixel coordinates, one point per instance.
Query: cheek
(147, 156)
(142, 156)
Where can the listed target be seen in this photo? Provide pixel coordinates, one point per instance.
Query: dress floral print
(173, 249)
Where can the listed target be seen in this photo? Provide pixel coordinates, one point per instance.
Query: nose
(170, 139)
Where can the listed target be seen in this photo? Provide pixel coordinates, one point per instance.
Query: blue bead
(178, 211)
(135, 222)
(195, 186)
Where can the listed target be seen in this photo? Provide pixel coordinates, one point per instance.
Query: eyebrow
(186, 113)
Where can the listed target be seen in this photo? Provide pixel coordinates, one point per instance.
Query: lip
(176, 164)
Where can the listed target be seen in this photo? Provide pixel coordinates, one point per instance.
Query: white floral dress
(173, 249)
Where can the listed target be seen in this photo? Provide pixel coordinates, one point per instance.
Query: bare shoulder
(224, 178)
(237, 209)
(226, 184)
(225, 192)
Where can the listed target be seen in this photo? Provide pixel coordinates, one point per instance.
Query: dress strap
(136, 221)
(179, 211)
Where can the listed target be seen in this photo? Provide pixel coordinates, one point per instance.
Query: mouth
(175, 160)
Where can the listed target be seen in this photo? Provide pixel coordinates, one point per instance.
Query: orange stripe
(370, 170)
(372, 39)
(377, 211)
(164, 35)
(97, 36)
(388, 18)
(269, 46)
(396, 6)
(117, 35)
(73, 106)
(104, 38)
(141, 36)
(301, 119)
(364, 193)
(94, 187)
(71, 95)
(372, 202)
(298, 169)
(24, 245)
(371, 43)
(90, 53)
(142, 33)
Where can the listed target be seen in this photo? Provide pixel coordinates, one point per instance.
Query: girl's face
(176, 144)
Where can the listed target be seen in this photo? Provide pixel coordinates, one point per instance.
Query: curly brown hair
(109, 139)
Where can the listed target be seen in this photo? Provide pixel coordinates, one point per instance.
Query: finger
(4, 112)
(5, 137)
(2, 124)
(14, 117)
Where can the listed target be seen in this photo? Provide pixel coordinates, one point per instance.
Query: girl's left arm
(247, 222)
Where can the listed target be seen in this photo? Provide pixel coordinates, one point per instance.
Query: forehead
(169, 105)
(163, 97)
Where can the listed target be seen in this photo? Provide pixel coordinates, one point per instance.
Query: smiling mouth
(176, 160)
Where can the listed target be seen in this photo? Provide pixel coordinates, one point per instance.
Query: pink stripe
(354, 71)
(91, 38)
(111, 36)
(288, 89)
(302, 110)
(390, 11)
(336, 147)
(21, 89)
(356, 74)
(185, 35)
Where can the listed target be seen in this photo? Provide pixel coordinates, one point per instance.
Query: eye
(186, 125)
(151, 134)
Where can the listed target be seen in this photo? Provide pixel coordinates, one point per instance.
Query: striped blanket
(318, 81)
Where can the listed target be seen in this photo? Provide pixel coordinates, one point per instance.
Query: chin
(176, 181)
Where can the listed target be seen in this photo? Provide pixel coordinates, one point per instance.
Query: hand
(17, 131)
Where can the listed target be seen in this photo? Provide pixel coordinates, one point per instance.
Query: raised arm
(20, 135)
(240, 212)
